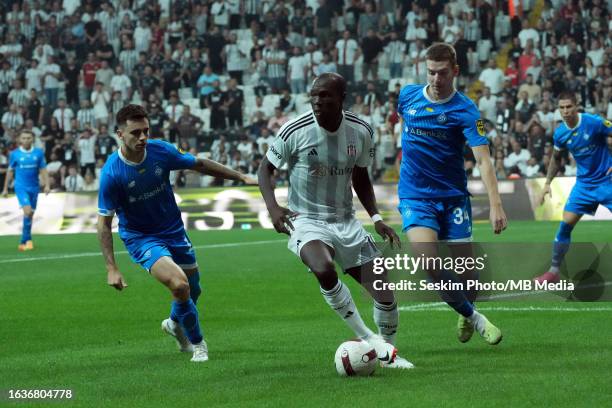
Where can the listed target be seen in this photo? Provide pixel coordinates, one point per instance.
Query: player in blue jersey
(434, 201)
(25, 164)
(585, 136)
(134, 184)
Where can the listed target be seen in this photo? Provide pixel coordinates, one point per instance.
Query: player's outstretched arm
(497, 216)
(553, 167)
(105, 236)
(365, 192)
(7, 181)
(281, 216)
(212, 168)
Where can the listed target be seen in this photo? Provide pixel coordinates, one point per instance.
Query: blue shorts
(584, 199)
(450, 217)
(27, 197)
(147, 249)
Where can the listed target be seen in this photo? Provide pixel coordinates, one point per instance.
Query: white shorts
(352, 244)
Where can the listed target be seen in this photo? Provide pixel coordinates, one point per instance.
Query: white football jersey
(320, 164)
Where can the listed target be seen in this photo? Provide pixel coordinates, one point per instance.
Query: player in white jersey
(328, 150)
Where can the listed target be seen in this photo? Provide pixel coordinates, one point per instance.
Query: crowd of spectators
(219, 77)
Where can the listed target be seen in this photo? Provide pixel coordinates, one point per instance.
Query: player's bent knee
(179, 288)
(323, 268)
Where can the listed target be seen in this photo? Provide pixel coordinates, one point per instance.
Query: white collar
(448, 98)
(131, 163)
(577, 124)
(27, 151)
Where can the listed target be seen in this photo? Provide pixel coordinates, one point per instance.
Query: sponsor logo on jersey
(429, 133)
(480, 127)
(276, 153)
(321, 170)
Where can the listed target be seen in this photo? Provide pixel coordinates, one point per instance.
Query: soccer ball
(355, 358)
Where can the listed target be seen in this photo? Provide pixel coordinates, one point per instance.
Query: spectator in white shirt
(121, 83)
(492, 77)
(86, 147)
(33, 77)
(487, 105)
(528, 33)
(519, 157)
(64, 115)
(296, 72)
(12, 119)
(142, 36)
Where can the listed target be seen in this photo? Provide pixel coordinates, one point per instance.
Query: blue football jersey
(434, 134)
(141, 194)
(587, 143)
(26, 165)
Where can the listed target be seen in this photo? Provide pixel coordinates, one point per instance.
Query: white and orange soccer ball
(355, 358)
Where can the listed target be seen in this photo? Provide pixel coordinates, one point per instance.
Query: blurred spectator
(297, 69)
(518, 157)
(487, 105)
(73, 182)
(371, 47)
(90, 183)
(86, 149)
(347, 51)
(492, 77)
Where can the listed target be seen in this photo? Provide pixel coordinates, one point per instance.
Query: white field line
(513, 309)
(90, 254)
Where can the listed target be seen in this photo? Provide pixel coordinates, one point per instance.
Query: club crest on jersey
(158, 171)
(132, 184)
(351, 150)
(412, 112)
(586, 136)
(442, 119)
(480, 127)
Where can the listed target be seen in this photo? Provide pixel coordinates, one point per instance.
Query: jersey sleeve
(107, 195)
(177, 158)
(13, 159)
(604, 127)
(558, 145)
(367, 153)
(281, 149)
(473, 126)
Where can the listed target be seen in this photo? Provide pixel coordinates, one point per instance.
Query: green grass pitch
(271, 336)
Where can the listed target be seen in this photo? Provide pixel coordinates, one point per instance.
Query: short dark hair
(130, 112)
(442, 52)
(336, 80)
(568, 95)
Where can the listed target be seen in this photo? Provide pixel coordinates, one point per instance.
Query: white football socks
(339, 298)
(478, 321)
(386, 318)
